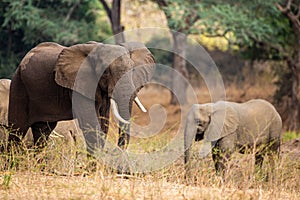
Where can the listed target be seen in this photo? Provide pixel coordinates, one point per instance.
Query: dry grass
(62, 171)
(36, 182)
(37, 186)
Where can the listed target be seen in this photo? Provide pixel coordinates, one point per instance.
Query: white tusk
(140, 105)
(116, 113)
(55, 134)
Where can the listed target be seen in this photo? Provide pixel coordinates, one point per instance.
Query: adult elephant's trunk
(124, 94)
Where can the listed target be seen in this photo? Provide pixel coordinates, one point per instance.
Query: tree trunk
(293, 118)
(291, 103)
(114, 15)
(295, 101)
(179, 66)
(117, 28)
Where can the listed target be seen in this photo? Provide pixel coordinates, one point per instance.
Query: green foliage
(287, 136)
(7, 64)
(25, 23)
(161, 56)
(182, 14)
(257, 27)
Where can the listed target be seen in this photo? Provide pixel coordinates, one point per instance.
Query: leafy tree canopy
(257, 28)
(25, 23)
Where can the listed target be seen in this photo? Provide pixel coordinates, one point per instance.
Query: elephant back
(260, 121)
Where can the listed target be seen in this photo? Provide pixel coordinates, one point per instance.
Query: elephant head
(95, 70)
(144, 67)
(209, 122)
(142, 72)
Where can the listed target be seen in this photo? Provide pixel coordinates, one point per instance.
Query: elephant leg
(259, 159)
(41, 132)
(220, 158)
(11, 138)
(271, 151)
(104, 109)
(273, 155)
(16, 135)
(219, 161)
(124, 132)
(89, 120)
(274, 148)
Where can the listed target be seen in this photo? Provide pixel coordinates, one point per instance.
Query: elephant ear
(144, 62)
(223, 121)
(70, 60)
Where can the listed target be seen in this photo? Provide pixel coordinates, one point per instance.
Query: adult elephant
(227, 127)
(51, 76)
(68, 130)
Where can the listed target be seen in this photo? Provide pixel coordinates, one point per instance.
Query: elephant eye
(199, 122)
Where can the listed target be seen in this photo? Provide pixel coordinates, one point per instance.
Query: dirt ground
(291, 148)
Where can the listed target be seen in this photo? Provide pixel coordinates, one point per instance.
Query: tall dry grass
(63, 171)
(57, 173)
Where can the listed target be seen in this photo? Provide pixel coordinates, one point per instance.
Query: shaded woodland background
(255, 44)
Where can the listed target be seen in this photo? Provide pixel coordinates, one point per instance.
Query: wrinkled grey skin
(227, 127)
(50, 75)
(67, 130)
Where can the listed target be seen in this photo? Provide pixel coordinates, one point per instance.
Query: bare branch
(107, 9)
(291, 16)
(298, 12)
(72, 10)
(288, 5)
(286, 9)
(162, 3)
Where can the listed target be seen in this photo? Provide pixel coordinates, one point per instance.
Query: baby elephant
(226, 127)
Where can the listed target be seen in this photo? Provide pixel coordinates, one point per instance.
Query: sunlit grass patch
(290, 135)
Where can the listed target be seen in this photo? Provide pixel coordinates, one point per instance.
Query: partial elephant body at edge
(69, 131)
